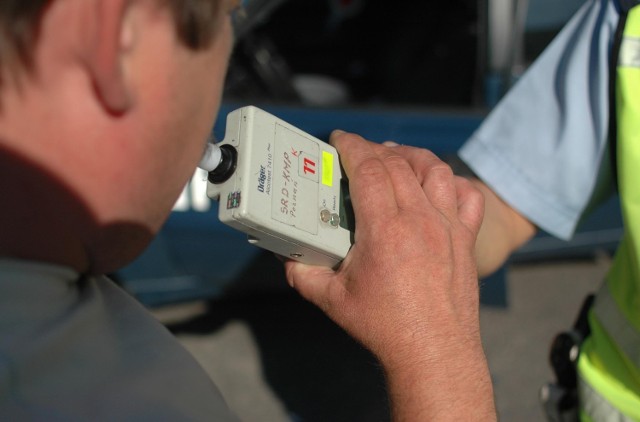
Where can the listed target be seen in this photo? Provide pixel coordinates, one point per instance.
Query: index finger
(370, 185)
(435, 177)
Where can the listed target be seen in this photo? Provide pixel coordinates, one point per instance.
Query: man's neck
(40, 218)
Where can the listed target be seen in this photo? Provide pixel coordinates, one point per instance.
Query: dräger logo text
(262, 178)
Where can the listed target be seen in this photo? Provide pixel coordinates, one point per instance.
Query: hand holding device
(408, 288)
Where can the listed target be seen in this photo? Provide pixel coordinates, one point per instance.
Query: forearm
(503, 231)
(442, 389)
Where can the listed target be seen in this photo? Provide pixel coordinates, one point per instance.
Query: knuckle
(476, 195)
(442, 170)
(370, 168)
(423, 155)
(395, 161)
(442, 181)
(426, 154)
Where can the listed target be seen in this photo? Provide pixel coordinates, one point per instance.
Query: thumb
(318, 285)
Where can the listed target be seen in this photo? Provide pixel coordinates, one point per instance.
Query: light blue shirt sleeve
(542, 148)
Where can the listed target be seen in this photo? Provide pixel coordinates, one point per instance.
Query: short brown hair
(19, 24)
(19, 28)
(195, 20)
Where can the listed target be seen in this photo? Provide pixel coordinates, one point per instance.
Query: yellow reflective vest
(609, 362)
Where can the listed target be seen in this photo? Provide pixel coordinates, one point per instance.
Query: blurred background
(420, 73)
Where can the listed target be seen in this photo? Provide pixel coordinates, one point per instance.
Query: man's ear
(105, 48)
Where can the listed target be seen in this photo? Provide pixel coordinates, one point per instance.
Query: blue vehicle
(427, 80)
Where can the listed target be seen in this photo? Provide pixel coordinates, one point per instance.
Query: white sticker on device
(295, 181)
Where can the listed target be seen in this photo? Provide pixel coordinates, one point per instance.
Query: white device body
(285, 193)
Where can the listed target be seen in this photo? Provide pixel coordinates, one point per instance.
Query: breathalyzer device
(282, 187)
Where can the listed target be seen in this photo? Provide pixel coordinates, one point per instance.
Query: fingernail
(337, 132)
(390, 144)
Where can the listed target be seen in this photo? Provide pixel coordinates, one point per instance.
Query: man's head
(195, 22)
(112, 100)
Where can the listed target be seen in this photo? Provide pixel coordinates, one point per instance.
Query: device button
(325, 215)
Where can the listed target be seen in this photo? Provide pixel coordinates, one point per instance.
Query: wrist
(447, 381)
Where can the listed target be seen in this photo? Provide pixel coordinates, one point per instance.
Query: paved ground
(276, 358)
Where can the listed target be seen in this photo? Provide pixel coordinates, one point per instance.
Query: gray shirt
(543, 149)
(75, 348)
